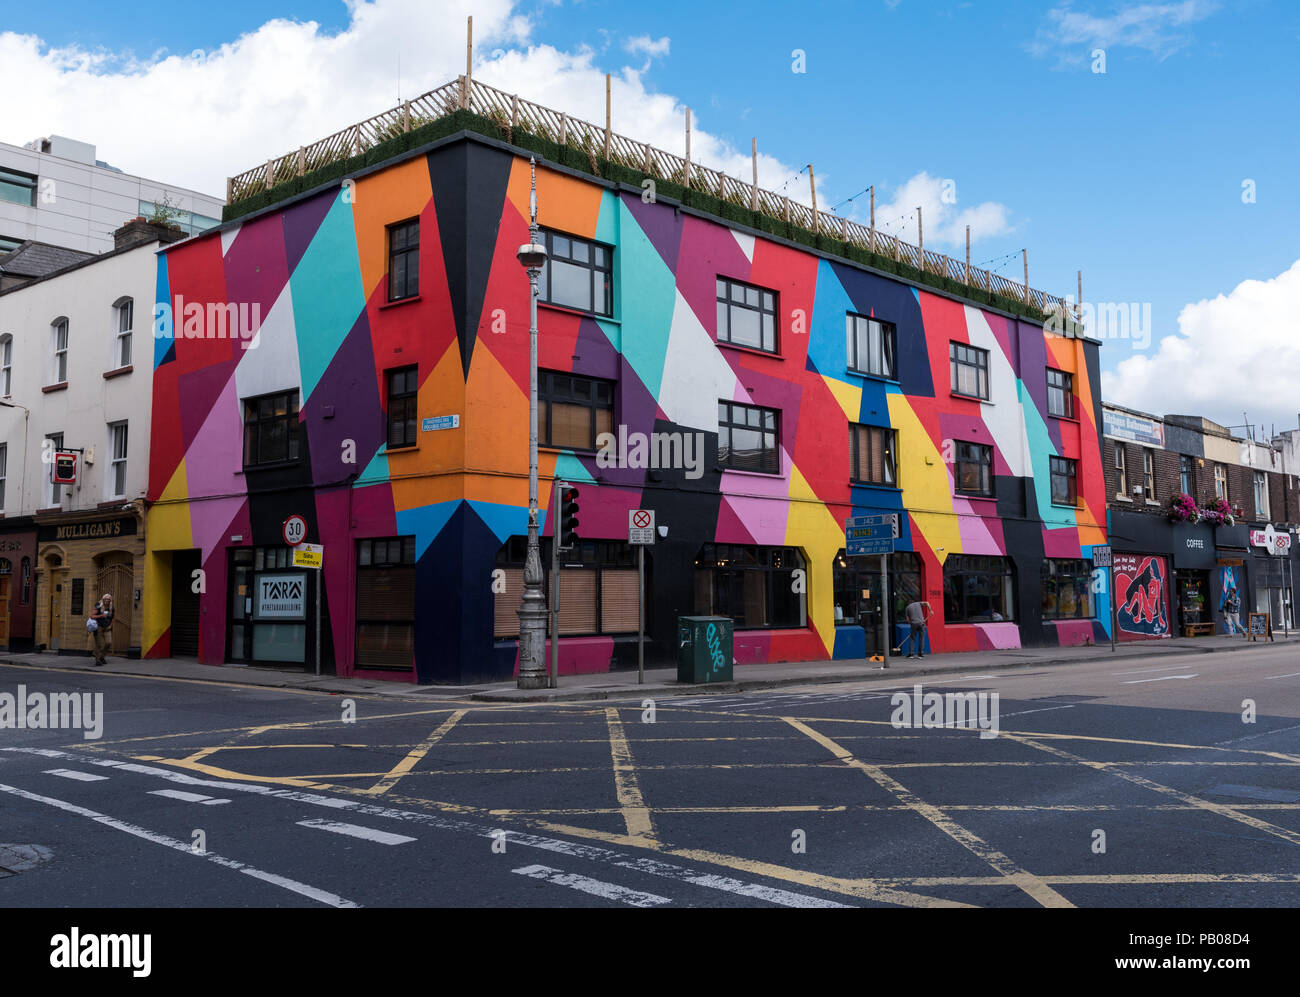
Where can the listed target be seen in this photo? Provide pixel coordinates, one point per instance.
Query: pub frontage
(79, 557)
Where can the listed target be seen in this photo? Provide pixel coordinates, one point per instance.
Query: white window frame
(53, 491)
(6, 365)
(4, 472)
(123, 312)
(57, 354)
(1261, 495)
(114, 461)
(1221, 481)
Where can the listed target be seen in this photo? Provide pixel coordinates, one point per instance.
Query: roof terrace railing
(516, 113)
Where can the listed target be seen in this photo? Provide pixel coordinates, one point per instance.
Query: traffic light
(568, 525)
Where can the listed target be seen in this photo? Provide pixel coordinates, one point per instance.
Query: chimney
(140, 231)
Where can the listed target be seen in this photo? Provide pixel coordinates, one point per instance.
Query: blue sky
(1133, 175)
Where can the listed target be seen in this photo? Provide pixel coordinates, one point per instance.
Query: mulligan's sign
(95, 529)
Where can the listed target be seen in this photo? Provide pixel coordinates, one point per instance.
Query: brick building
(1175, 570)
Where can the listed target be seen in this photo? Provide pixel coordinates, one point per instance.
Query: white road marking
(302, 889)
(179, 794)
(609, 891)
(357, 831)
(594, 853)
(1162, 678)
(1143, 671)
(965, 677)
(1290, 676)
(73, 774)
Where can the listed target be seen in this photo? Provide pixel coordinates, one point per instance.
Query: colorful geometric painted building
(384, 400)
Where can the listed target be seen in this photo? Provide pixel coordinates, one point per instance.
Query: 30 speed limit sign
(295, 530)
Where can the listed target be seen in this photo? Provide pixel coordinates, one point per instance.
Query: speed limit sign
(295, 530)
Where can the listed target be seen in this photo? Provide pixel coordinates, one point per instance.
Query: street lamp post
(532, 608)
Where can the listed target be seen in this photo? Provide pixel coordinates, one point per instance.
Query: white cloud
(1238, 351)
(193, 119)
(645, 45)
(942, 212)
(1160, 29)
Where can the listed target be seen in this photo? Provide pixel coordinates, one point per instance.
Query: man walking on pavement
(918, 613)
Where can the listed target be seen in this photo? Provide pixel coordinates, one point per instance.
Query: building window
(403, 395)
(977, 589)
(26, 581)
(1064, 484)
(572, 411)
(1067, 589)
(1121, 470)
(54, 496)
(1261, 495)
(747, 438)
(404, 260)
(6, 365)
(386, 604)
(117, 459)
(1221, 482)
(8, 245)
(746, 315)
(871, 455)
(974, 469)
(1148, 474)
(871, 345)
(753, 585)
(271, 429)
(1186, 475)
(18, 188)
(599, 587)
(188, 221)
(4, 472)
(59, 344)
(578, 274)
(1060, 393)
(125, 314)
(970, 370)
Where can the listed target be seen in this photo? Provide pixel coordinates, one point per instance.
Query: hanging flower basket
(1217, 512)
(1182, 509)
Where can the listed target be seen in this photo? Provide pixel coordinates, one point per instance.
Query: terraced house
(825, 370)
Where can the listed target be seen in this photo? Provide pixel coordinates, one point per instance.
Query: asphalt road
(1108, 784)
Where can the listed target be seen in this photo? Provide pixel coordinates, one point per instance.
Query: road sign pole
(884, 609)
(640, 614)
(320, 580)
(1110, 599)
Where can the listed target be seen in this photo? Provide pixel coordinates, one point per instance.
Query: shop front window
(977, 589)
(858, 590)
(1067, 589)
(755, 586)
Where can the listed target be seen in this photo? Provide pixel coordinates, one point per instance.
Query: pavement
(658, 681)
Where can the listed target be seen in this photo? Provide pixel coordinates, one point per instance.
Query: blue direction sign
(870, 534)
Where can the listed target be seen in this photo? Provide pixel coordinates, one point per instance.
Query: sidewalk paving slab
(623, 684)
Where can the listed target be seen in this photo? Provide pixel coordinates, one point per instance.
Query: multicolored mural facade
(319, 270)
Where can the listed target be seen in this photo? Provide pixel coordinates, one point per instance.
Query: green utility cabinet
(704, 648)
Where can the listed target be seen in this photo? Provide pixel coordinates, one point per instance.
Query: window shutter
(577, 601)
(507, 602)
(618, 601)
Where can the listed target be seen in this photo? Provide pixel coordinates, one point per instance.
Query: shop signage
(65, 467)
(281, 597)
(1271, 540)
(309, 556)
(101, 529)
(1134, 428)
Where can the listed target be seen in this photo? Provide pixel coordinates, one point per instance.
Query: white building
(55, 191)
(76, 366)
